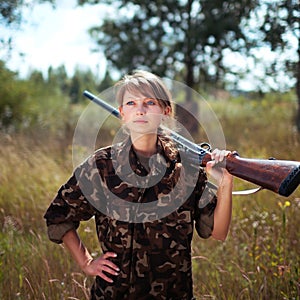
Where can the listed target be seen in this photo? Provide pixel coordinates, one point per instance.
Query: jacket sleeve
(205, 207)
(68, 208)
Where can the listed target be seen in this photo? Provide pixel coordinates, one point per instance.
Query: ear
(121, 111)
(167, 110)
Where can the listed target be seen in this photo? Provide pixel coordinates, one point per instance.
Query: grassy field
(259, 260)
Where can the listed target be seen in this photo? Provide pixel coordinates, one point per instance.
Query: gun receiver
(279, 176)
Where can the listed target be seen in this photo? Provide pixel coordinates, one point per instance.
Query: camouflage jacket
(147, 218)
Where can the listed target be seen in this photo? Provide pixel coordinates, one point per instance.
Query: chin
(143, 131)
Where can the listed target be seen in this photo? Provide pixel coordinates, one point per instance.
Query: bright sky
(55, 37)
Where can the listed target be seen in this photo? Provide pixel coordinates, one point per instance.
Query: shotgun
(279, 176)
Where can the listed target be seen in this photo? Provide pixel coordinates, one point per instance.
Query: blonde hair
(147, 84)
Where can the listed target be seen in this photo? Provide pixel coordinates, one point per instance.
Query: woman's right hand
(102, 266)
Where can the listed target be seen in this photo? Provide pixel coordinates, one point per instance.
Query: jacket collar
(126, 160)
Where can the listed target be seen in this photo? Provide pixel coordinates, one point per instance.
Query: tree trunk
(188, 112)
(298, 90)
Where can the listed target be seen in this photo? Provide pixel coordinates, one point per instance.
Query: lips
(140, 121)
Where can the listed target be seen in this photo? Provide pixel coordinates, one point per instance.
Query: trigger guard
(206, 146)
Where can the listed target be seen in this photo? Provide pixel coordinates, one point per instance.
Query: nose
(140, 109)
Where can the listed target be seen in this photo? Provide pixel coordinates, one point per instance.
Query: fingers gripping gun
(279, 176)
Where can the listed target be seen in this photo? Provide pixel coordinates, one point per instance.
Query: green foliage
(43, 102)
(268, 125)
(14, 96)
(28, 104)
(174, 36)
(81, 81)
(282, 15)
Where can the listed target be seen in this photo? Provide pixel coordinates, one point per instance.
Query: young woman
(146, 258)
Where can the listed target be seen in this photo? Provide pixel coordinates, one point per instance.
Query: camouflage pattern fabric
(154, 256)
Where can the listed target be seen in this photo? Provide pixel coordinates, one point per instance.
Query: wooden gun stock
(279, 176)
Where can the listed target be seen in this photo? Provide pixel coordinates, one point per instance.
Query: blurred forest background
(202, 44)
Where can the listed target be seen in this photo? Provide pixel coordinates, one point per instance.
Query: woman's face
(142, 114)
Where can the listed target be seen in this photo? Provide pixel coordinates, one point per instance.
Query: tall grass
(259, 260)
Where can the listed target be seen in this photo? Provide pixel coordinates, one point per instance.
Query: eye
(151, 101)
(129, 103)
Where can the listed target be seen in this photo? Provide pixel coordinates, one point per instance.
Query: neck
(145, 144)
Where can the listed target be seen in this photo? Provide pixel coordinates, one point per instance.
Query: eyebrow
(144, 98)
